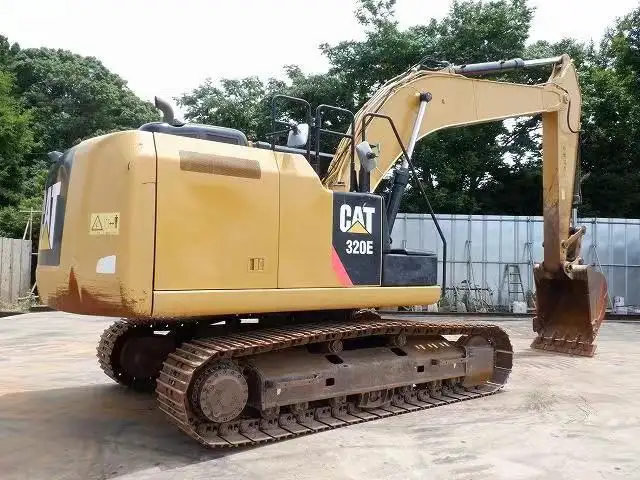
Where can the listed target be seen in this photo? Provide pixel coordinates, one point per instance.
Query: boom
(457, 100)
(421, 102)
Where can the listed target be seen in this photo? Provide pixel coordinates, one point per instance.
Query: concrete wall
(15, 270)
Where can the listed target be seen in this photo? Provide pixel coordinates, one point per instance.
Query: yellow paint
(222, 302)
(45, 242)
(358, 228)
(104, 223)
(208, 228)
(111, 173)
(210, 225)
(306, 219)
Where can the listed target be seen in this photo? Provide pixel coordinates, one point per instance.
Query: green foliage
(74, 97)
(15, 138)
(236, 103)
(611, 124)
(454, 164)
(245, 104)
(464, 166)
(51, 100)
(376, 13)
(490, 168)
(483, 31)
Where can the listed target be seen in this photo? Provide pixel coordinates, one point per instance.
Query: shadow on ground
(92, 432)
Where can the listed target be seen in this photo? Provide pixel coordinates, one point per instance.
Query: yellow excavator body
(185, 231)
(167, 226)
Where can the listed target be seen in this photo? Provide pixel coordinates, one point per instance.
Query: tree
(489, 168)
(15, 138)
(611, 123)
(245, 103)
(453, 164)
(55, 100)
(235, 103)
(73, 97)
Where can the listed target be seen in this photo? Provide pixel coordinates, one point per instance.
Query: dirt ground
(557, 418)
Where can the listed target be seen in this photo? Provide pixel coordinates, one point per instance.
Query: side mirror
(368, 158)
(298, 135)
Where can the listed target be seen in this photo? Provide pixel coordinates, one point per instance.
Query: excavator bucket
(569, 311)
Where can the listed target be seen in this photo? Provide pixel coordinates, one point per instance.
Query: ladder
(511, 276)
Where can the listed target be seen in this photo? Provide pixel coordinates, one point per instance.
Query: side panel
(357, 237)
(217, 222)
(306, 219)
(97, 230)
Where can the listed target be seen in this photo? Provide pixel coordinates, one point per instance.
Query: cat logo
(359, 220)
(50, 206)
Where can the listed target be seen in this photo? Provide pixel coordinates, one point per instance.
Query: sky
(167, 48)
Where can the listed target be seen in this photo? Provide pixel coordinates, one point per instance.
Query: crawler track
(140, 376)
(106, 348)
(181, 368)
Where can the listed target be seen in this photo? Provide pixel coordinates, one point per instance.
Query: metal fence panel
(479, 247)
(15, 269)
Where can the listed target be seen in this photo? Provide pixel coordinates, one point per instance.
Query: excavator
(249, 279)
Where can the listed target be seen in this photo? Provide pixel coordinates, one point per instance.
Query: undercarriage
(235, 384)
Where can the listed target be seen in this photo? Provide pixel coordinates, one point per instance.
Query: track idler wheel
(133, 355)
(569, 310)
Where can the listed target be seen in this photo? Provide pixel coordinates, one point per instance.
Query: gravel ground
(558, 418)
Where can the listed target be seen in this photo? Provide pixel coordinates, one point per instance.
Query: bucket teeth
(569, 347)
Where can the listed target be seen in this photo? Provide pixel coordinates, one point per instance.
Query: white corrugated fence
(483, 252)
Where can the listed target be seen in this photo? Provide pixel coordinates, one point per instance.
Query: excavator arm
(570, 295)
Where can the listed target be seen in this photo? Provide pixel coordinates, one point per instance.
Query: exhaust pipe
(54, 156)
(165, 108)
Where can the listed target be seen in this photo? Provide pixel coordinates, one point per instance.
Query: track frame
(201, 345)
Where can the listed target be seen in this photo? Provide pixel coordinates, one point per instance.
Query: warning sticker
(104, 224)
